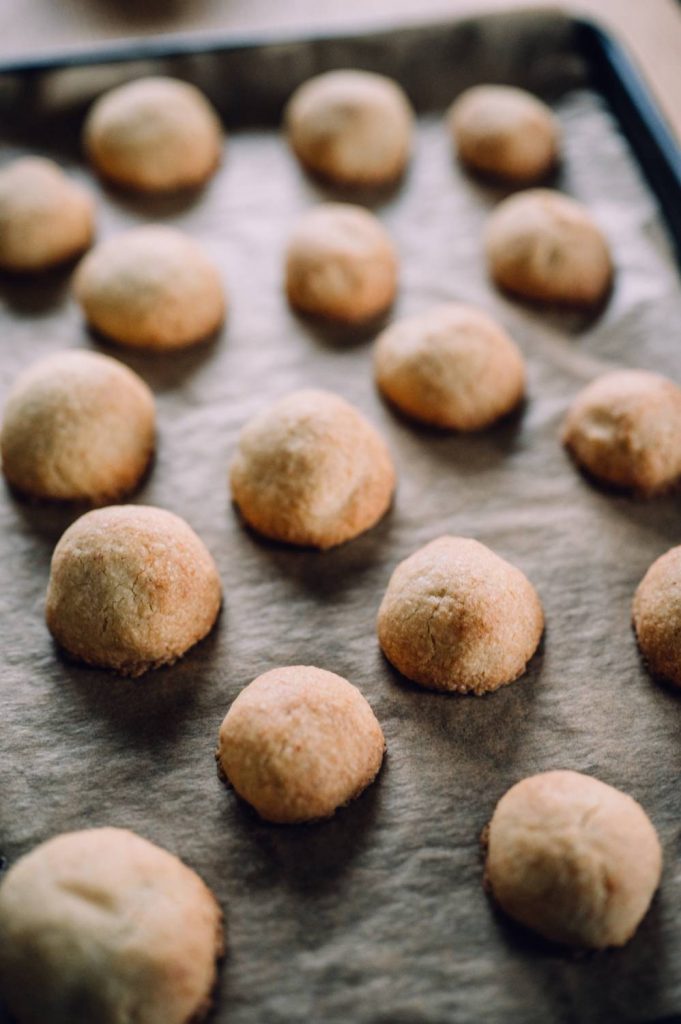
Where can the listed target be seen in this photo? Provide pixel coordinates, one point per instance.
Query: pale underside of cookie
(46, 219)
(154, 135)
(573, 859)
(352, 128)
(657, 617)
(450, 367)
(77, 426)
(103, 926)
(311, 471)
(152, 287)
(341, 265)
(544, 246)
(298, 743)
(624, 430)
(504, 132)
(131, 588)
(457, 617)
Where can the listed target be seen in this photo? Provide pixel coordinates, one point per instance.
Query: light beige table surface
(651, 28)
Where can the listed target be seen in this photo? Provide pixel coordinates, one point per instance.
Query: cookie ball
(77, 426)
(625, 430)
(458, 617)
(657, 617)
(451, 366)
(154, 135)
(45, 218)
(310, 470)
(298, 743)
(152, 288)
(103, 926)
(573, 859)
(504, 132)
(341, 265)
(131, 588)
(545, 246)
(352, 128)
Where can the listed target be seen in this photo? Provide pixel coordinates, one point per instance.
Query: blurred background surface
(651, 28)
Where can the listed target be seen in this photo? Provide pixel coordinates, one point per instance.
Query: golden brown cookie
(625, 430)
(451, 366)
(152, 287)
(298, 743)
(310, 470)
(353, 128)
(458, 617)
(341, 265)
(131, 588)
(504, 132)
(103, 926)
(572, 858)
(545, 246)
(154, 135)
(45, 218)
(77, 426)
(657, 617)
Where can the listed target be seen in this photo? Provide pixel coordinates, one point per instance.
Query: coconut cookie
(154, 135)
(451, 366)
(152, 287)
(353, 128)
(45, 218)
(298, 743)
(657, 617)
(545, 246)
(131, 588)
(504, 132)
(341, 265)
(310, 470)
(573, 859)
(458, 617)
(103, 926)
(625, 430)
(77, 426)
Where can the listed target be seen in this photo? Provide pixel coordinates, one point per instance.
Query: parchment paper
(378, 916)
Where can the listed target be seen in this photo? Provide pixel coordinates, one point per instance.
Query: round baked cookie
(545, 246)
(151, 287)
(154, 135)
(104, 926)
(298, 743)
(311, 470)
(573, 859)
(451, 366)
(657, 617)
(77, 426)
(131, 588)
(504, 132)
(458, 617)
(341, 265)
(625, 430)
(352, 128)
(45, 218)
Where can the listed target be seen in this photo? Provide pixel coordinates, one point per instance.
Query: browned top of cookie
(657, 616)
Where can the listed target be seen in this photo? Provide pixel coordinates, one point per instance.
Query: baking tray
(377, 916)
